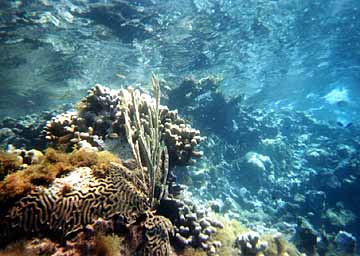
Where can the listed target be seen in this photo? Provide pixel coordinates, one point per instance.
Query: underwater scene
(180, 127)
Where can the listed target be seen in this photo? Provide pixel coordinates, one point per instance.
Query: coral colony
(76, 198)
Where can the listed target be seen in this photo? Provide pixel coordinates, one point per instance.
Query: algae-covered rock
(339, 216)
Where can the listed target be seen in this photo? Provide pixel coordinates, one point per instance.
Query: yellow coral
(227, 235)
(54, 156)
(279, 246)
(192, 252)
(15, 249)
(106, 245)
(9, 162)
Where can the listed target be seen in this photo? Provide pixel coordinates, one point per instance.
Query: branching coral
(51, 201)
(143, 135)
(249, 243)
(103, 114)
(193, 226)
(156, 136)
(63, 193)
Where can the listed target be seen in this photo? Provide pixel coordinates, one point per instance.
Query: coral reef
(315, 166)
(202, 100)
(8, 163)
(101, 117)
(195, 228)
(249, 243)
(58, 195)
(69, 197)
(237, 239)
(278, 166)
(26, 131)
(39, 169)
(93, 240)
(119, 194)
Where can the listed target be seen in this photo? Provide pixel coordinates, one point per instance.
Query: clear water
(282, 55)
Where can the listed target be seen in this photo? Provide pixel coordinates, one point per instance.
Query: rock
(340, 216)
(256, 162)
(34, 156)
(216, 205)
(330, 180)
(316, 200)
(253, 170)
(344, 151)
(6, 133)
(345, 242)
(316, 156)
(307, 236)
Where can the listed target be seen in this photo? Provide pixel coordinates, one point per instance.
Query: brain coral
(158, 139)
(82, 197)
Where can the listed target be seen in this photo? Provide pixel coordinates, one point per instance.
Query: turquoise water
(281, 114)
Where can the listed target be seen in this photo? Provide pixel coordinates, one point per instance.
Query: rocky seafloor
(282, 170)
(248, 182)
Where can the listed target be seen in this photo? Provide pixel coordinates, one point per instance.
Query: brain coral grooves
(80, 198)
(157, 232)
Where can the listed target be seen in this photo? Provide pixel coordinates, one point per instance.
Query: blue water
(281, 51)
(295, 63)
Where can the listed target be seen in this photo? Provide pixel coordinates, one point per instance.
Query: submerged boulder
(317, 156)
(253, 169)
(345, 242)
(307, 236)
